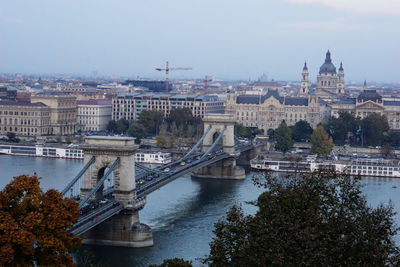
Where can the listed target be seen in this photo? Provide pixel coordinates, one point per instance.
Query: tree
(241, 131)
(161, 141)
(392, 138)
(373, 128)
(387, 151)
(302, 131)
(122, 125)
(181, 116)
(174, 263)
(112, 126)
(317, 219)
(321, 143)
(151, 120)
(34, 224)
(283, 137)
(339, 128)
(271, 134)
(136, 130)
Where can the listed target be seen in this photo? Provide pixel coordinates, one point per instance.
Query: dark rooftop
(21, 103)
(369, 95)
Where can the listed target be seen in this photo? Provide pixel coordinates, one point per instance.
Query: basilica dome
(328, 66)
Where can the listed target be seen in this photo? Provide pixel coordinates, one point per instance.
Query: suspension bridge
(111, 188)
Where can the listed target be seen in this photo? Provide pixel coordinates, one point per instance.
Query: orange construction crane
(206, 80)
(167, 69)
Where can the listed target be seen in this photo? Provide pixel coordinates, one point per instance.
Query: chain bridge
(111, 188)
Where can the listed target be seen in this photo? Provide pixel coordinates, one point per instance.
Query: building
(367, 102)
(24, 118)
(152, 85)
(63, 112)
(94, 114)
(6, 94)
(329, 83)
(269, 110)
(304, 85)
(129, 106)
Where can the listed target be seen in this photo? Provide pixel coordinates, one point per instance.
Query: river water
(181, 214)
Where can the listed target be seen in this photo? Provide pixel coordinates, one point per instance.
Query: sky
(227, 39)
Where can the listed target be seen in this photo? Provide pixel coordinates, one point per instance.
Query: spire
(305, 66)
(341, 67)
(365, 83)
(328, 57)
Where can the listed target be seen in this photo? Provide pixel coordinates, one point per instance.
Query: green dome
(327, 67)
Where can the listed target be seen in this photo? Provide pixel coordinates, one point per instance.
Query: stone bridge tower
(226, 168)
(123, 229)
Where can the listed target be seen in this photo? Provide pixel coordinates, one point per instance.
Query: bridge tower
(224, 169)
(123, 229)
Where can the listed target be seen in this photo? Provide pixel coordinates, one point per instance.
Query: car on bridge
(141, 181)
(166, 170)
(182, 163)
(149, 178)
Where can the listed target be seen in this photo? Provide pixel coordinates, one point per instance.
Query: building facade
(368, 102)
(130, 106)
(94, 114)
(24, 118)
(63, 112)
(6, 94)
(269, 110)
(330, 83)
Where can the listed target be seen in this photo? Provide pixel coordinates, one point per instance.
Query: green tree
(174, 263)
(387, 151)
(34, 225)
(339, 128)
(317, 219)
(271, 134)
(241, 131)
(112, 126)
(136, 130)
(393, 138)
(151, 120)
(283, 137)
(122, 126)
(321, 143)
(373, 128)
(161, 140)
(302, 131)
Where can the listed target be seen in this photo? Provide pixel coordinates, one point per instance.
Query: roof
(328, 66)
(296, 101)
(95, 102)
(346, 101)
(391, 103)
(21, 103)
(267, 84)
(369, 95)
(256, 99)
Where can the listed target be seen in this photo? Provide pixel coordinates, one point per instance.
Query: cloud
(380, 7)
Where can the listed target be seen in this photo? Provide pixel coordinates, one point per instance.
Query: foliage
(302, 131)
(392, 138)
(283, 137)
(136, 130)
(339, 128)
(33, 225)
(373, 128)
(387, 151)
(161, 141)
(317, 219)
(321, 143)
(241, 131)
(68, 139)
(12, 137)
(112, 126)
(122, 126)
(151, 120)
(175, 262)
(271, 134)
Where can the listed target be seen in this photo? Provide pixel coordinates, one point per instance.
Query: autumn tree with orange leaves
(34, 224)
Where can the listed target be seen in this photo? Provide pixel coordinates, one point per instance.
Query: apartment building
(94, 114)
(129, 106)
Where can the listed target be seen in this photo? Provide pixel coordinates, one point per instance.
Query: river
(181, 214)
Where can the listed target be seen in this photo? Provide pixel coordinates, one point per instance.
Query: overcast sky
(230, 39)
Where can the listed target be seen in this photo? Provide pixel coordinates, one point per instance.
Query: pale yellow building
(63, 112)
(24, 118)
(269, 110)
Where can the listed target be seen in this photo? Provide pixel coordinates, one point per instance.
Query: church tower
(340, 82)
(304, 80)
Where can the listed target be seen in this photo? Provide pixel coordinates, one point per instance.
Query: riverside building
(129, 106)
(94, 114)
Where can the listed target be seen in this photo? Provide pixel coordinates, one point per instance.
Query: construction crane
(206, 80)
(167, 69)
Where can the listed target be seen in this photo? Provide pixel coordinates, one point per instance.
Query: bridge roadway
(95, 212)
